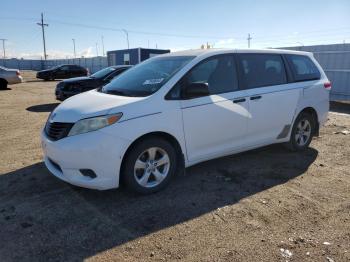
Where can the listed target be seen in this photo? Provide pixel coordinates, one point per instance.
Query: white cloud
(87, 52)
(225, 43)
(51, 54)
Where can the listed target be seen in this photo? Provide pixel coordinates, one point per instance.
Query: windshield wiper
(115, 92)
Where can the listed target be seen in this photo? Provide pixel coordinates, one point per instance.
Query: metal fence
(335, 60)
(92, 63)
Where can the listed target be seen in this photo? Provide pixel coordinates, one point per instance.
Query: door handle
(255, 97)
(239, 100)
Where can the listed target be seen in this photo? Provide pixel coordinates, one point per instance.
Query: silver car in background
(9, 77)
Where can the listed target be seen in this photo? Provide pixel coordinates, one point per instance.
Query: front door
(214, 125)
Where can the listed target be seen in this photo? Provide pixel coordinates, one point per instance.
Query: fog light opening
(88, 173)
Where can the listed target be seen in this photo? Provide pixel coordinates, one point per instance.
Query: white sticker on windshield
(153, 81)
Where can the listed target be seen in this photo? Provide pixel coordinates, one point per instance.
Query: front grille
(56, 130)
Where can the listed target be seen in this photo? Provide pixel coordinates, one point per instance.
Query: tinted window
(64, 68)
(103, 73)
(303, 68)
(75, 68)
(260, 70)
(117, 72)
(147, 77)
(218, 72)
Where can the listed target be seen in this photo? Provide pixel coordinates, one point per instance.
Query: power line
(167, 34)
(3, 46)
(174, 35)
(43, 30)
(134, 31)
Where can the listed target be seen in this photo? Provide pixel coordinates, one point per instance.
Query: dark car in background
(74, 86)
(62, 72)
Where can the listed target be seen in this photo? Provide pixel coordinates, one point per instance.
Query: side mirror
(195, 90)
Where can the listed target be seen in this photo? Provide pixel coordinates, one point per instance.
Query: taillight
(327, 85)
(18, 73)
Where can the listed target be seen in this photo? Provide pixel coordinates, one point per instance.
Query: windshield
(147, 77)
(103, 73)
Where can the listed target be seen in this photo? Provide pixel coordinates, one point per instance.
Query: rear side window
(218, 72)
(260, 70)
(65, 67)
(76, 68)
(303, 68)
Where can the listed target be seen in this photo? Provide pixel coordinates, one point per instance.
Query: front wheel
(149, 166)
(302, 132)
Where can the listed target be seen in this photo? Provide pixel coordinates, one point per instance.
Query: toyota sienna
(175, 110)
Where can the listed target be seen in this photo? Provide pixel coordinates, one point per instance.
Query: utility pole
(75, 54)
(96, 49)
(103, 46)
(249, 38)
(43, 31)
(3, 46)
(127, 36)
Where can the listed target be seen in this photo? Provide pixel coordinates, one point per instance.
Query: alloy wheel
(151, 167)
(303, 132)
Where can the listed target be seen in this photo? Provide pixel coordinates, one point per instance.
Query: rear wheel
(302, 132)
(149, 166)
(3, 84)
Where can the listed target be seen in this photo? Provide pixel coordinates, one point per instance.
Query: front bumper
(97, 151)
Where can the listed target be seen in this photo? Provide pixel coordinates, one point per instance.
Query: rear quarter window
(303, 69)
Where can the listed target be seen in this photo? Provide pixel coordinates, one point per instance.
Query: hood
(89, 104)
(78, 79)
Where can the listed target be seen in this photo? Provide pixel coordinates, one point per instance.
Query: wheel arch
(164, 135)
(313, 112)
(4, 80)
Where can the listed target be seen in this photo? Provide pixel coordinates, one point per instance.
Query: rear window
(303, 68)
(259, 70)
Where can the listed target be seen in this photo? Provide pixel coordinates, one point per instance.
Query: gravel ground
(264, 205)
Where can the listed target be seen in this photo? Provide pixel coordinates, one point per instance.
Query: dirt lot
(255, 206)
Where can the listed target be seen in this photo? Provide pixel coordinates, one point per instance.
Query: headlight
(94, 123)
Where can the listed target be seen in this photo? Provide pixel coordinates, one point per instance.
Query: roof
(215, 51)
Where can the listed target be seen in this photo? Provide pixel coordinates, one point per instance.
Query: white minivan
(175, 110)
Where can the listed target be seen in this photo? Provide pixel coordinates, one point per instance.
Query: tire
(302, 132)
(3, 84)
(142, 172)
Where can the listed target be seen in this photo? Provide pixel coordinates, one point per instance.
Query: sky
(175, 25)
